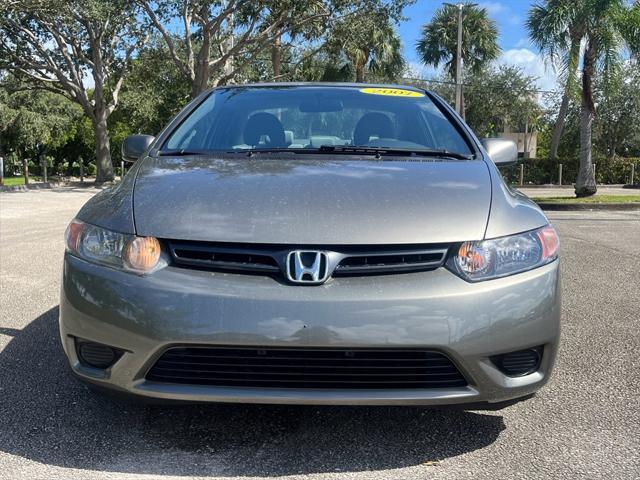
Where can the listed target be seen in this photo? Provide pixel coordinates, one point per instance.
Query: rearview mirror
(134, 146)
(501, 150)
(321, 105)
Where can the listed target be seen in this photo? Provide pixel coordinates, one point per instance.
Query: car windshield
(313, 118)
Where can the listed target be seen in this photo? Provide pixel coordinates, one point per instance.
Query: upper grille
(221, 257)
(270, 259)
(306, 368)
(401, 261)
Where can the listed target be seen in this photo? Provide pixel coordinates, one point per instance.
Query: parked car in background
(318, 244)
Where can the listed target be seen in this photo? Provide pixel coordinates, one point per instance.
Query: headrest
(370, 125)
(264, 126)
(288, 137)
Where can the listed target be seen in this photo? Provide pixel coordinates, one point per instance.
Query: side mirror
(134, 146)
(501, 150)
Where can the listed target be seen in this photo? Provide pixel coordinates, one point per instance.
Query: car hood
(312, 202)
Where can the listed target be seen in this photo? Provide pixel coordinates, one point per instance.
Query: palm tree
(370, 43)
(560, 46)
(604, 29)
(438, 43)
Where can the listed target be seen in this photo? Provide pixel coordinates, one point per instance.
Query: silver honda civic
(313, 244)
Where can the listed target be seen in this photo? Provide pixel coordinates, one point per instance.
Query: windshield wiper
(181, 152)
(380, 151)
(249, 152)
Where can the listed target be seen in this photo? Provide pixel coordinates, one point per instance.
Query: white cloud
(532, 64)
(419, 70)
(493, 8)
(414, 70)
(514, 20)
(500, 10)
(88, 81)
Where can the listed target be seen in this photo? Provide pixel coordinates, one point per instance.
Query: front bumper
(436, 310)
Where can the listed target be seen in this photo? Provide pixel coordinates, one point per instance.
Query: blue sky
(510, 16)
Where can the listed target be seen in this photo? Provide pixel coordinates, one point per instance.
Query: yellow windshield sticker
(391, 92)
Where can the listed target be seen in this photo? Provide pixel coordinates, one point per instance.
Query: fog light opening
(519, 363)
(96, 355)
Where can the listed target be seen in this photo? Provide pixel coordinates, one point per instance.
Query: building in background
(526, 141)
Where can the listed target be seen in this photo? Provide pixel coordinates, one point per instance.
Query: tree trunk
(1, 167)
(200, 82)
(202, 70)
(276, 57)
(230, 43)
(463, 113)
(558, 127)
(613, 141)
(360, 72)
(586, 182)
(104, 166)
(25, 170)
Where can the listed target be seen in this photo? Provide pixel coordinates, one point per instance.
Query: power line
(449, 82)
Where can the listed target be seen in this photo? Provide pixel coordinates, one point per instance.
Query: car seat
(265, 130)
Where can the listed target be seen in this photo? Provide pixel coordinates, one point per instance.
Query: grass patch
(13, 181)
(9, 181)
(592, 199)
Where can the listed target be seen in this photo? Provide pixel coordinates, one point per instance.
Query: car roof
(319, 84)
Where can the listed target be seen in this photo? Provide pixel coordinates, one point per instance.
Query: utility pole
(460, 6)
(459, 62)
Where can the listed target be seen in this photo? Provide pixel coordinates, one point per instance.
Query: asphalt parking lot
(584, 424)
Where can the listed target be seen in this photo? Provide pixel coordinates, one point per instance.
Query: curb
(44, 186)
(590, 206)
(31, 186)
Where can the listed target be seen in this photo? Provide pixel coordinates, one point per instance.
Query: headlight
(118, 250)
(499, 257)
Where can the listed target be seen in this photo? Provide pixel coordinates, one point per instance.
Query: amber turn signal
(142, 253)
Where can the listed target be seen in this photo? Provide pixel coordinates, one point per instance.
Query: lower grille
(522, 362)
(96, 355)
(306, 368)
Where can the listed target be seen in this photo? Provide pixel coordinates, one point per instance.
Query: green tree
(604, 27)
(501, 97)
(34, 123)
(438, 42)
(617, 126)
(561, 46)
(207, 35)
(64, 46)
(154, 92)
(369, 44)
(321, 65)
(495, 97)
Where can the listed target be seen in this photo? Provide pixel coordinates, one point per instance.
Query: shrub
(542, 171)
